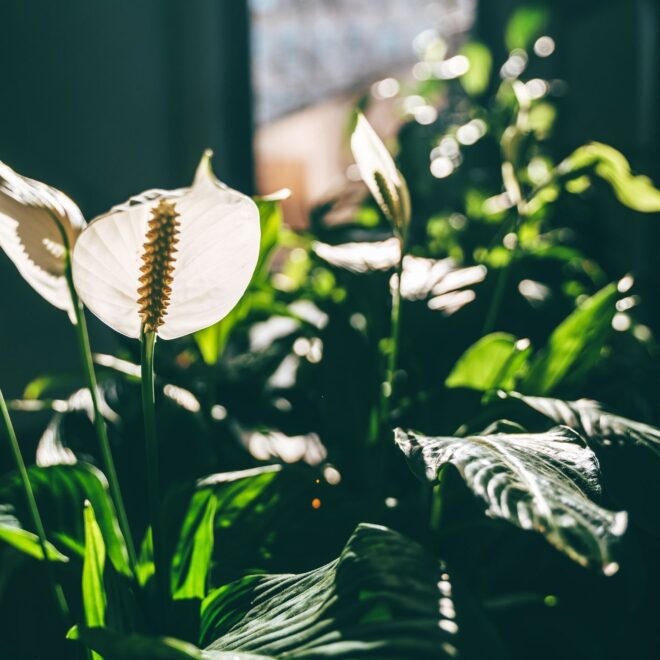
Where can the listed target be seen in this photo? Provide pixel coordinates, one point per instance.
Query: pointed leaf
(93, 590)
(492, 362)
(575, 345)
(61, 491)
(27, 542)
(536, 481)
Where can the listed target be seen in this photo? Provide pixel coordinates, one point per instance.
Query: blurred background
(106, 99)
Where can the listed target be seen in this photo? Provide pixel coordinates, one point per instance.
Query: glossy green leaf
(61, 491)
(635, 191)
(575, 345)
(475, 81)
(218, 502)
(13, 534)
(191, 562)
(115, 646)
(536, 481)
(384, 597)
(93, 589)
(492, 362)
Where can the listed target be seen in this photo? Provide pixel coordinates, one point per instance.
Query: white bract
(172, 261)
(379, 173)
(39, 225)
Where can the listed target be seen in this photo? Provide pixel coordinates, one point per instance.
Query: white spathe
(38, 226)
(213, 263)
(371, 157)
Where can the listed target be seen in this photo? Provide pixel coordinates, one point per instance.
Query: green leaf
(536, 481)
(525, 25)
(575, 345)
(492, 362)
(115, 646)
(475, 81)
(192, 561)
(218, 502)
(636, 192)
(628, 451)
(13, 534)
(61, 491)
(385, 597)
(211, 341)
(93, 590)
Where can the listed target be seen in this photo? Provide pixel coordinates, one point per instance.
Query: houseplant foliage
(427, 432)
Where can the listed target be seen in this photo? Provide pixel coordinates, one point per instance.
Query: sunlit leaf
(192, 561)
(115, 646)
(384, 597)
(635, 191)
(536, 481)
(475, 80)
(191, 270)
(93, 590)
(38, 227)
(61, 491)
(492, 362)
(526, 24)
(12, 533)
(575, 345)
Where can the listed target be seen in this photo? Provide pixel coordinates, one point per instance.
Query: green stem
(148, 341)
(387, 387)
(99, 422)
(58, 592)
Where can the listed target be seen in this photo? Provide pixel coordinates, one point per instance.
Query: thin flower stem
(99, 422)
(148, 341)
(382, 413)
(58, 592)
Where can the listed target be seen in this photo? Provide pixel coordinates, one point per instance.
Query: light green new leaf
(384, 597)
(115, 646)
(61, 491)
(525, 25)
(536, 481)
(492, 362)
(575, 345)
(475, 80)
(93, 589)
(636, 192)
(13, 534)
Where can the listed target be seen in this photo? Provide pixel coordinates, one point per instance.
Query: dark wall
(105, 99)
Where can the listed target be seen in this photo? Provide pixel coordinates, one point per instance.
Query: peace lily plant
(166, 264)
(39, 226)
(390, 191)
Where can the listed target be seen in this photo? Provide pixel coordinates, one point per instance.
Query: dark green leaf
(537, 481)
(492, 362)
(384, 597)
(114, 646)
(575, 345)
(61, 491)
